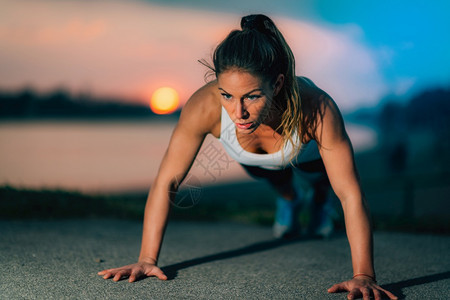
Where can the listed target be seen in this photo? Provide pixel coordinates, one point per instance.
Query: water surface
(106, 156)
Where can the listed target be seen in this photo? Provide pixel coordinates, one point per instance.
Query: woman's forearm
(155, 219)
(359, 233)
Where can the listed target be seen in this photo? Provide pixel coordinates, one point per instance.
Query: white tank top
(275, 161)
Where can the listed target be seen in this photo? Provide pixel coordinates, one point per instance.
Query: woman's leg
(321, 210)
(288, 204)
(280, 180)
(291, 198)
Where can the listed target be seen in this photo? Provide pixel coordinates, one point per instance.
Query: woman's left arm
(337, 155)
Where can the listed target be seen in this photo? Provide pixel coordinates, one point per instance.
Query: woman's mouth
(244, 125)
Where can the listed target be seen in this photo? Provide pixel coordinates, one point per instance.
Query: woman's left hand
(363, 287)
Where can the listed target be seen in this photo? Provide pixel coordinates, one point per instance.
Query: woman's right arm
(198, 118)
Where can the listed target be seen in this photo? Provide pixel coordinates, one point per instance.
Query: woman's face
(247, 99)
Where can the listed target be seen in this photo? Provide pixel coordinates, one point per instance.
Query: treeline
(412, 130)
(420, 126)
(60, 103)
(427, 110)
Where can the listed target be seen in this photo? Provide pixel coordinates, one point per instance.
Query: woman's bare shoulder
(308, 88)
(318, 108)
(312, 94)
(203, 110)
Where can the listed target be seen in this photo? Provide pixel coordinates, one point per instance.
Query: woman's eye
(226, 96)
(253, 97)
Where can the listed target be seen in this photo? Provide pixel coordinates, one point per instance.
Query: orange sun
(164, 100)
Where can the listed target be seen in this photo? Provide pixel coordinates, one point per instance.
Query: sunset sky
(358, 51)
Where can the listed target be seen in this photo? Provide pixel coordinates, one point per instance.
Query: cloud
(336, 61)
(130, 48)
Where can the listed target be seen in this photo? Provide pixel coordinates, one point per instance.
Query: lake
(110, 156)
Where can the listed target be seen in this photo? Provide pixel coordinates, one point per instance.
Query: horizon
(85, 100)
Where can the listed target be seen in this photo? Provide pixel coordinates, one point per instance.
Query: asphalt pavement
(60, 260)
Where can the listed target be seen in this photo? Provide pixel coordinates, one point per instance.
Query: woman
(274, 124)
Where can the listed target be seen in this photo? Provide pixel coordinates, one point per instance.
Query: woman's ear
(278, 84)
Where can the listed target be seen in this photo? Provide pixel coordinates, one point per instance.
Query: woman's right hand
(134, 272)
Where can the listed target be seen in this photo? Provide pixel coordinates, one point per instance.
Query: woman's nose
(241, 111)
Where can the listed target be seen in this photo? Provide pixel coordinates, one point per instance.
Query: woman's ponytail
(257, 22)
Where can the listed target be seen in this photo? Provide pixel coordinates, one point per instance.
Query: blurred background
(90, 92)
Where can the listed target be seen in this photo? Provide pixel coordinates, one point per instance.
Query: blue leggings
(282, 180)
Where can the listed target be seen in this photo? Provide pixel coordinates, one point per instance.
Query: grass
(250, 203)
(58, 204)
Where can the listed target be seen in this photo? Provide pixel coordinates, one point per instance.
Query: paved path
(60, 259)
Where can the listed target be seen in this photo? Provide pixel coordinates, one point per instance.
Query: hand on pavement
(363, 287)
(134, 272)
